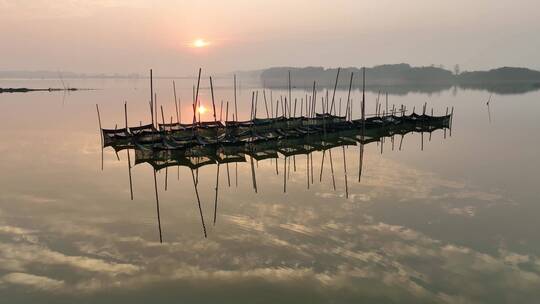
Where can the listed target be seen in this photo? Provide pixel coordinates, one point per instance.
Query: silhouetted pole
(197, 104)
(386, 103)
(290, 98)
(322, 165)
(266, 104)
(362, 136)
(101, 135)
(253, 175)
(235, 104)
(284, 174)
(176, 104)
(307, 169)
(216, 198)
(151, 96)
(157, 207)
(198, 201)
(156, 111)
(334, 94)
(227, 164)
(345, 172)
(332, 168)
(129, 159)
(271, 105)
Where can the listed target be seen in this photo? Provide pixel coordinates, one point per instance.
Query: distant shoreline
(396, 75)
(26, 90)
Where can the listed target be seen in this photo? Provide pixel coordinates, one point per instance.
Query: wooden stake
(197, 104)
(345, 172)
(266, 104)
(151, 97)
(221, 111)
(157, 207)
(271, 105)
(216, 198)
(162, 116)
(332, 169)
(235, 105)
(198, 202)
(386, 102)
(253, 175)
(213, 102)
(335, 87)
(290, 98)
(156, 111)
(349, 93)
(100, 135)
(176, 103)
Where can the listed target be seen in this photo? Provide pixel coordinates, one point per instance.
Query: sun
(200, 43)
(201, 109)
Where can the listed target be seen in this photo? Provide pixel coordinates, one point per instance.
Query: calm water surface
(456, 222)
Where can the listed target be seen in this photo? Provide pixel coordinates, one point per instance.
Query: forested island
(403, 75)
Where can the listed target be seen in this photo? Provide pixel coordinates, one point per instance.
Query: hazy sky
(134, 35)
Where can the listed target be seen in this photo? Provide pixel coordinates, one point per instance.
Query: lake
(447, 217)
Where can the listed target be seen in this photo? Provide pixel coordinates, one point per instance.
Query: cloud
(26, 254)
(30, 280)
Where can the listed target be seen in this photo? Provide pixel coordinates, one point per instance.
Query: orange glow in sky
(200, 43)
(201, 109)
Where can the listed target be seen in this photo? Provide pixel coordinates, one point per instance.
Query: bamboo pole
(387, 103)
(289, 168)
(213, 101)
(129, 159)
(198, 202)
(151, 96)
(227, 164)
(326, 104)
(266, 104)
(100, 135)
(322, 165)
(345, 172)
(252, 105)
(99, 122)
(256, 103)
(166, 177)
(216, 198)
(332, 168)
(311, 169)
(290, 98)
(129, 173)
(197, 104)
(271, 105)
(157, 207)
(253, 175)
(335, 87)
(176, 103)
(363, 102)
(162, 116)
(156, 110)
(285, 175)
(307, 169)
(221, 111)
(362, 135)
(361, 161)
(235, 104)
